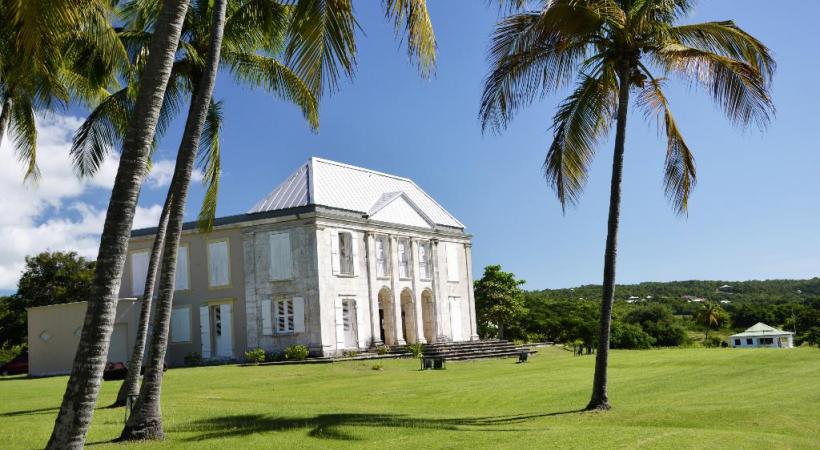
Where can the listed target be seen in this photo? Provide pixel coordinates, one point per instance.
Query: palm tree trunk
(131, 386)
(599, 398)
(76, 411)
(5, 117)
(146, 420)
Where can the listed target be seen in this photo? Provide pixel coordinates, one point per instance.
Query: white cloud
(59, 212)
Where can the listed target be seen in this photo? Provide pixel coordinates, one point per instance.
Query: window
(425, 261)
(737, 342)
(452, 261)
(218, 266)
(281, 267)
(404, 258)
(289, 315)
(749, 341)
(181, 281)
(766, 341)
(382, 265)
(181, 324)
(345, 253)
(139, 271)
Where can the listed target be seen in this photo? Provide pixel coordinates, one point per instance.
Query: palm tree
(612, 47)
(50, 56)
(710, 314)
(83, 385)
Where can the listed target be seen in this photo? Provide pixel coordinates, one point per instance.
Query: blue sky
(754, 214)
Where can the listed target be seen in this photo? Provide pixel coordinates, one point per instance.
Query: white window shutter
(298, 315)
(218, 268)
(139, 271)
(267, 324)
(402, 261)
(340, 327)
(181, 324)
(205, 331)
(354, 241)
(452, 261)
(226, 320)
(281, 267)
(181, 282)
(334, 252)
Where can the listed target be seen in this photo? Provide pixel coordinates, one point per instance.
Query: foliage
(11, 352)
(377, 366)
(255, 356)
(416, 349)
(350, 353)
(713, 342)
(296, 353)
(658, 322)
(193, 359)
(629, 336)
(382, 350)
(710, 315)
(47, 279)
(498, 302)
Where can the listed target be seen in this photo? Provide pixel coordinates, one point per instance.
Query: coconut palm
(48, 60)
(710, 315)
(614, 47)
(84, 382)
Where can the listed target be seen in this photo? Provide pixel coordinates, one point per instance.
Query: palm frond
(276, 78)
(321, 46)
(101, 130)
(23, 130)
(411, 18)
(680, 175)
(579, 124)
(739, 88)
(210, 164)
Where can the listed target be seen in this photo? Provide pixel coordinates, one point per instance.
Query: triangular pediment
(396, 207)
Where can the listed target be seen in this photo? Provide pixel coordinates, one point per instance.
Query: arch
(428, 315)
(386, 317)
(408, 316)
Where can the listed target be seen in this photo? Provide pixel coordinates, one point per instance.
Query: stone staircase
(458, 351)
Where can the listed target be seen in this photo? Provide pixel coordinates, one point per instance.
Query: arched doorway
(386, 328)
(428, 314)
(408, 316)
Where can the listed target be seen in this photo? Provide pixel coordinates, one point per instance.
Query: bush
(382, 350)
(193, 359)
(274, 356)
(712, 342)
(296, 353)
(350, 353)
(658, 322)
(377, 366)
(255, 356)
(629, 336)
(416, 349)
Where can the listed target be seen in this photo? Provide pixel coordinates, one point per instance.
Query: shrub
(377, 366)
(255, 356)
(193, 359)
(296, 353)
(416, 349)
(382, 350)
(274, 356)
(350, 353)
(712, 342)
(630, 336)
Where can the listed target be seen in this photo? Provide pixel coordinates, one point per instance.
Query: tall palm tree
(710, 314)
(613, 47)
(77, 408)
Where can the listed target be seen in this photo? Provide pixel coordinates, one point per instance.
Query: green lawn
(688, 398)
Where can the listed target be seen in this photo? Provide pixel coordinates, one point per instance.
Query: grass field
(685, 398)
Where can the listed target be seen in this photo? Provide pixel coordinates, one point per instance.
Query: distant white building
(762, 335)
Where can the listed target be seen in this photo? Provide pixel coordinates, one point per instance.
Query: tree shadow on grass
(29, 412)
(330, 426)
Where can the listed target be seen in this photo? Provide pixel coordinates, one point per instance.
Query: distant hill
(764, 291)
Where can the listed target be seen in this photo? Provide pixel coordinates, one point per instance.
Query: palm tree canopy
(598, 42)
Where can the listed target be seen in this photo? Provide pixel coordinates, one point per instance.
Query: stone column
(394, 290)
(468, 258)
(417, 313)
(372, 288)
(439, 295)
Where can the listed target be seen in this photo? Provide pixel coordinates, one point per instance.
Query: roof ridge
(359, 168)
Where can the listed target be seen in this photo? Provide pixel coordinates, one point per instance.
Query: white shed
(762, 335)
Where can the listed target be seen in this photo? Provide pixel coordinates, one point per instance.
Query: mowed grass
(684, 398)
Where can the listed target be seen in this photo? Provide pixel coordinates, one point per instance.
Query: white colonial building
(336, 258)
(762, 335)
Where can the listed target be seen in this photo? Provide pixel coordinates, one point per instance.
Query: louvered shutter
(340, 327)
(354, 242)
(267, 325)
(226, 337)
(181, 282)
(281, 265)
(298, 315)
(139, 271)
(334, 252)
(205, 331)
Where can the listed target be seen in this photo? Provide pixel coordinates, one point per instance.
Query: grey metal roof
(761, 329)
(342, 186)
